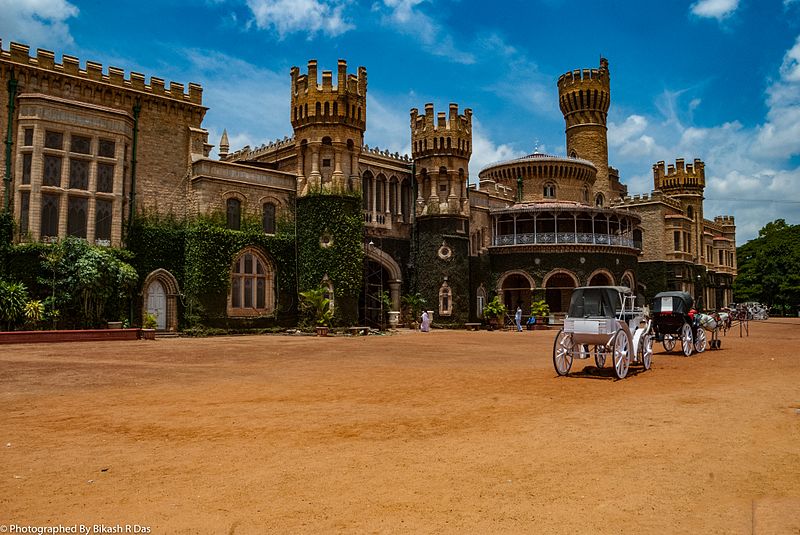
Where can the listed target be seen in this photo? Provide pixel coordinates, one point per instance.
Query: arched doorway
(157, 304)
(160, 298)
(381, 274)
(558, 290)
(600, 278)
(516, 289)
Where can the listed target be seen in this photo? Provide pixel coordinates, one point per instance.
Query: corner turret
(329, 123)
(441, 145)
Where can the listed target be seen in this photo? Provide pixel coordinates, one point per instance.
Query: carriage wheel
(687, 339)
(622, 354)
(600, 356)
(700, 341)
(646, 351)
(669, 342)
(562, 352)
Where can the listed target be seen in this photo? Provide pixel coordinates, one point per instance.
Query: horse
(712, 323)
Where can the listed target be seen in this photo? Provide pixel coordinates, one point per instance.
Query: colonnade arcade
(386, 200)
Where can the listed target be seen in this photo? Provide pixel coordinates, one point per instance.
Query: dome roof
(536, 158)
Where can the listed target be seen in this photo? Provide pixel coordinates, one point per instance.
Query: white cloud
(406, 17)
(750, 171)
(252, 103)
(485, 151)
(388, 127)
(39, 23)
(310, 16)
(716, 9)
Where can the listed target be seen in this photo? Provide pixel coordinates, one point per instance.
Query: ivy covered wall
(330, 233)
(440, 235)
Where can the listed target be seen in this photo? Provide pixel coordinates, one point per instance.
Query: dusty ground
(439, 432)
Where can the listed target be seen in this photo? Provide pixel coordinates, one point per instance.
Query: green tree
(769, 267)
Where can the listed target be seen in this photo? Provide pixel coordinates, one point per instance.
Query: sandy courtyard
(446, 432)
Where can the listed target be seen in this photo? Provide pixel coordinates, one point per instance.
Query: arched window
(234, 213)
(599, 200)
(586, 195)
(445, 300)
(268, 218)
(252, 285)
(481, 300)
(49, 226)
(690, 212)
(549, 191)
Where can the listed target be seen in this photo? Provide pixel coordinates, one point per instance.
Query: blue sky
(712, 79)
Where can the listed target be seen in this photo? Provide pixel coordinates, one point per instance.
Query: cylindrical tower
(685, 182)
(441, 146)
(329, 123)
(584, 97)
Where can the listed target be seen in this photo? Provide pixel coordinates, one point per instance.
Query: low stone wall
(89, 335)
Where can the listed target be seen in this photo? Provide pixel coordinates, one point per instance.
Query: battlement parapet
(724, 220)
(247, 153)
(366, 149)
(441, 134)
(343, 103)
(19, 55)
(680, 178)
(585, 95)
(655, 196)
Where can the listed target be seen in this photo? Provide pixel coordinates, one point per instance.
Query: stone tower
(441, 146)
(329, 123)
(685, 183)
(584, 97)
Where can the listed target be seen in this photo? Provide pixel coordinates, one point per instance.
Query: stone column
(394, 294)
(337, 177)
(315, 177)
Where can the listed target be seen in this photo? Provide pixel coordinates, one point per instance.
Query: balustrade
(548, 238)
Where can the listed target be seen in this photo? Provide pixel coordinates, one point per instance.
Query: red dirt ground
(445, 432)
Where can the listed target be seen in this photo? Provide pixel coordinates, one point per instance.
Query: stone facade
(89, 143)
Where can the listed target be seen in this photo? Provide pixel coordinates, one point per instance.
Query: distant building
(88, 145)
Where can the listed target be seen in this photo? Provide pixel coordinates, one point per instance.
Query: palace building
(90, 150)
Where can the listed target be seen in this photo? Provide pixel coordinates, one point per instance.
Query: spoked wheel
(622, 354)
(600, 356)
(562, 352)
(687, 340)
(669, 342)
(646, 351)
(700, 341)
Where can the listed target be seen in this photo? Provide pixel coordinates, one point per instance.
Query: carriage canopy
(602, 301)
(679, 302)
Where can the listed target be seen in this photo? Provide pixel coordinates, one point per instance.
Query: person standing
(518, 318)
(426, 322)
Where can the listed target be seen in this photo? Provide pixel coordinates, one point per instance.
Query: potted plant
(494, 312)
(541, 311)
(318, 307)
(149, 325)
(414, 304)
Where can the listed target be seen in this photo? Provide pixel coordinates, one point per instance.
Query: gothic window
(52, 171)
(102, 221)
(573, 154)
(445, 300)
(28, 137)
(24, 211)
(549, 191)
(76, 216)
(105, 177)
(234, 213)
(599, 200)
(252, 281)
(26, 167)
(268, 218)
(53, 140)
(78, 174)
(690, 212)
(586, 195)
(481, 301)
(49, 226)
(80, 144)
(106, 148)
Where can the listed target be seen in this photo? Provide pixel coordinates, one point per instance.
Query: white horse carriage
(605, 318)
(714, 323)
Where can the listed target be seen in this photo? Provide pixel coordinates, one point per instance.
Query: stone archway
(372, 253)
(558, 285)
(160, 298)
(516, 288)
(600, 277)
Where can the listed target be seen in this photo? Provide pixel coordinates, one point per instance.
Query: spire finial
(224, 146)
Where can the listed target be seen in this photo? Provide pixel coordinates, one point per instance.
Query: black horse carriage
(672, 323)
